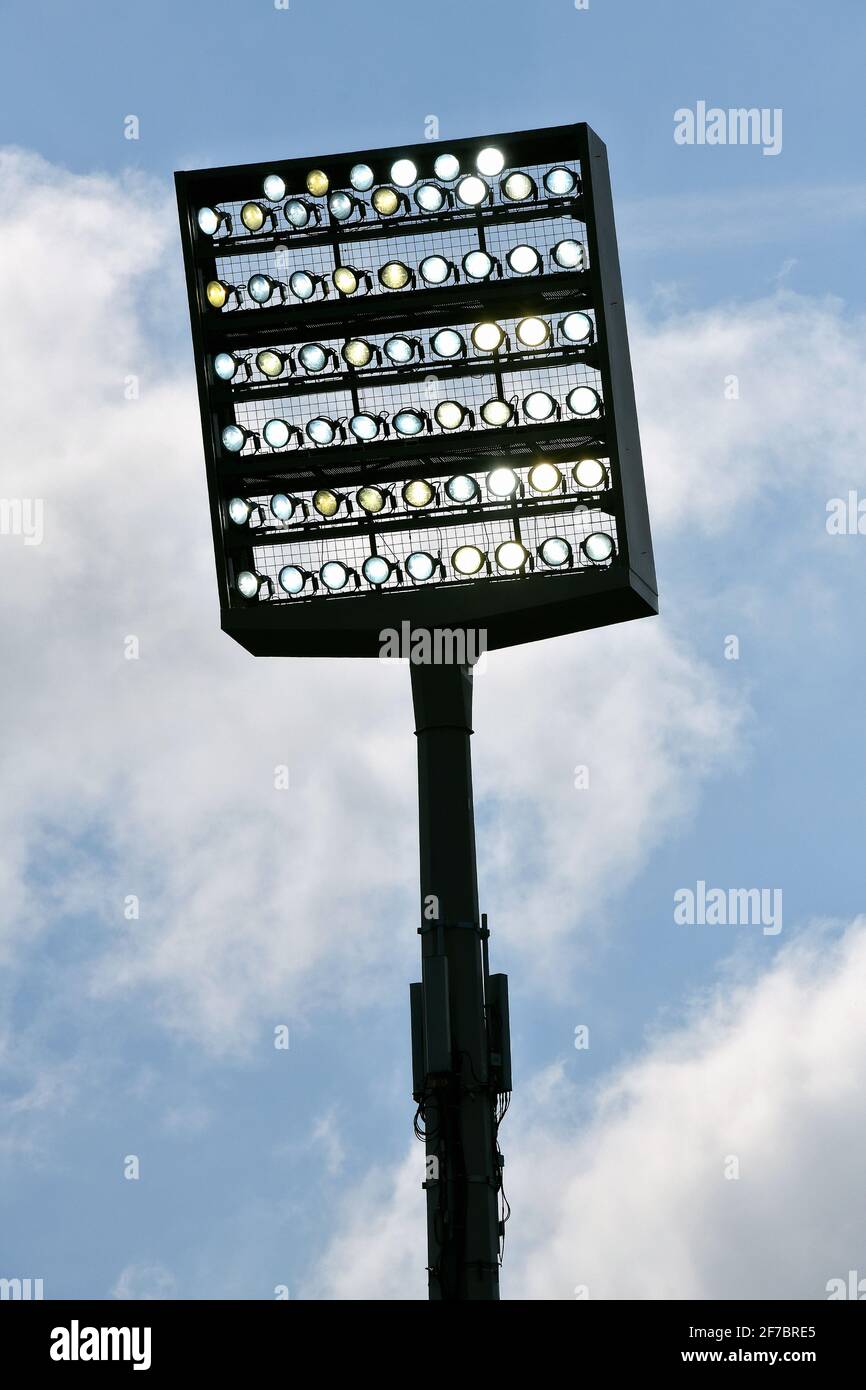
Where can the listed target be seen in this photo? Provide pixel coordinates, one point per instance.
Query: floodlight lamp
(365, 426)
(560, 181)
(583, 400)
(254, 216)
(278, 434)
(234, 437)
(523, 260)
(403, 173)
(435, 270)
(240, 510)
(518, 187)
(304, 283)
(430, 197)
(555, 551)
(472, 191)
(347, 280)
(577, 328)
(361, 177)
(377, 570)
(490, 161)
(446, 167)
(322, 430)
(590, 474)
(418, 493)
(371, 499)
(272, 363)
(533, 332)
(544, 477)
(411, 422)
(386, 200)
(598, 547)
(479, 265)
(448, 343)
(226, 365)
(450, 415)
(260, 288)
(298, 213)
(488, 337)
(334, 575)
(342, 205)
(420, 566)
(218, 293)
(283, 506)
(394, 275)
(315, 357)
(248, 583)
(539, 405)
(400, 349)
(292, 579)
(357, 352)
(211, 219)
(498, 412)
(317, 183)
(327, 502)
(568, 254)
(274, 188)
(502, 482)
(461, 489)
(511, 555)
(468, 559)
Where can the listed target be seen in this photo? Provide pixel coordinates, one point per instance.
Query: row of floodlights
(467, 562)
(502, 483)
(411, 421)
(470, 190)
(401, 349)
(434, 270)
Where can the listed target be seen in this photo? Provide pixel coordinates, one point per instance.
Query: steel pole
(458, 1092)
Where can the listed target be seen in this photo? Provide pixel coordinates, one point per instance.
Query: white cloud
(711, 461)
(632, 1201)
(144, 1282)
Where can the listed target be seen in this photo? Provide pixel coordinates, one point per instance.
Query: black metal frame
(509, 608)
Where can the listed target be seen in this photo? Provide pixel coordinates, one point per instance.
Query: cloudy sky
(708, 1142)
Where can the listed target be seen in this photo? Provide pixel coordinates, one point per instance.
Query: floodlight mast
(270, 538)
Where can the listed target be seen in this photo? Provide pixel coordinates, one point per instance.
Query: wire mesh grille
(367, 244)
(472, 382)
(573, 526)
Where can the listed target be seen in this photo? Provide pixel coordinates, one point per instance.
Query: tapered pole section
(458, 1107)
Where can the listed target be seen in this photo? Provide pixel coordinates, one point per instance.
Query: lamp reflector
(292, 579)
(467, 559)
(408, 422)
(334, 575)
(317, 183)
(248, 584)
(555, 551)
(511, 555)
(598, 547)
(420, 565)
(418, 493)
(502, 482)
(490, 161)
(274, 188)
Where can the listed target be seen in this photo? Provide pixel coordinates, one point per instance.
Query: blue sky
(154, 1037)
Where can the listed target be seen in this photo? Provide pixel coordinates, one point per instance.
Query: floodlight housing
(388, 427)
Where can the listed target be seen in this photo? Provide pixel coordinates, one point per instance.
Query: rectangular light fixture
(416, 394)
